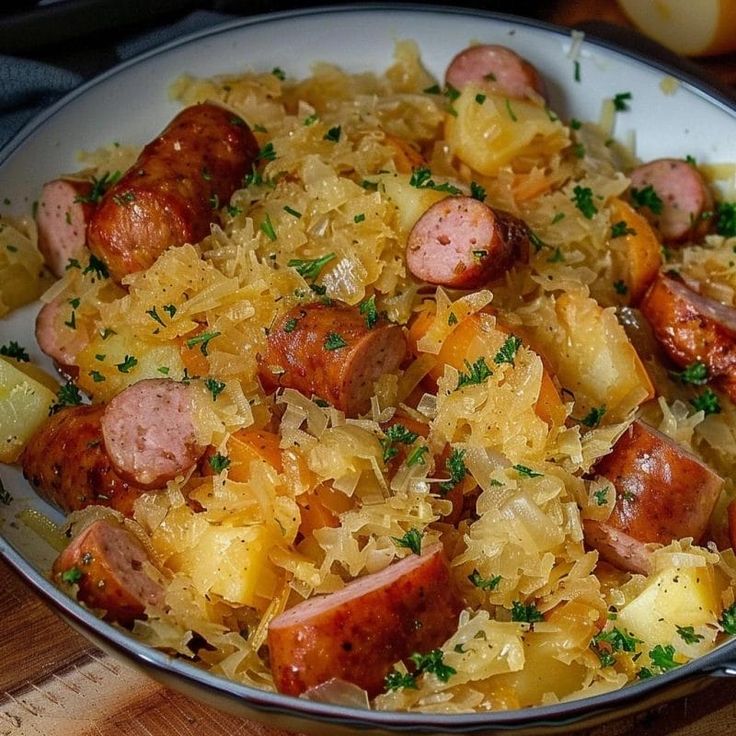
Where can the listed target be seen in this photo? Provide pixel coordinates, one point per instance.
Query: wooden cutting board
(54, 683)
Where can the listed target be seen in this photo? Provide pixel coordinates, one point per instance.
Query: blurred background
(47, 47)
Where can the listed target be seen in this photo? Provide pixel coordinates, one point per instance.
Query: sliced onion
(338, 692)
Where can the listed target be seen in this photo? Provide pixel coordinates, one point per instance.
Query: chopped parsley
(726, 219)
(620, 228)
(455, 466)
(579, 150)
(557, 256)
(99, 187)
(333, 341)
(96, 376)
(71, 576)
(67, 395)
(647, 197)
(311, 119)
(482, 583)
(528, 472)
(16, 351)
(510, 111)
(170, 309)
(707, 402)
(583, 200)
(688, 635)
(593, 417)
(527, 612)
(267, 228)
(621, 101)
(153, 314)
(310, 268)
(396, 433)
(96, 267)
(696, 374)
(278, 73)
(536, 241)
(359, 218)
(576, 72)
(214, 386)
(432, 90)
(71, 323)
(663, 657)
(203, 340)
(478, 372)
(411, 540)
(452, 93)
(290, 324)
(508, 350)
(618, 640)
(728, 620)
(417, 456)
(575, 124)
(368, 309)
(219, 462)
(421, 178)
(267, 153)
(477, 191)
(559, 216)
(433, 662)
(129, 362)
(480, 98)
(333, 134)
(452, 319)
(122, 199)
(291, 211)
(400, 680)
(620, 287)
(601, 496)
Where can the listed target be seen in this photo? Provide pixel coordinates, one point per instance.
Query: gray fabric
(27, 87)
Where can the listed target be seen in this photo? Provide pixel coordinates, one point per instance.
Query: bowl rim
(566, 713)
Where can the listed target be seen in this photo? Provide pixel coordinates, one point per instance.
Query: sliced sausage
(496, 67)
(107, 563)
(62, 216)
(684, 197)
(663, 493)
(328, 350)
(359, 632)
(173, 191)
(691, 327)
(60, 341)
(66, 462)
(149, 432)
(462, 243)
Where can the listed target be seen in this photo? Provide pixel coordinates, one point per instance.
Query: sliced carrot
(643, 249)
(194, 360)
(247, 445)
(321, 508)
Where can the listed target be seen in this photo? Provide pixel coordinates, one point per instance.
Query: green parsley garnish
(536, 241)
(583, 199)
(621, 100)
(96, 376)
(267, 228)
(170, 309)
(203, 340)
(579, 150)
(417, 456)
(452, 319)
(726, 219)
(16, 351)
(421, 178)
(153, 314)
(707, 402)
(510, 111)
(411, 540)
(400, 680)
(233, 211)
(96, 267)
(575, 124)
(71, 576)
(620, 228)
(267, 153)
(333, 341)
(311, 119)
(601, 496)
(559, 216)
(310, 268)
(219, 462)
(99, 187)
(214, 386)
(663, 657)
(528, 472)
(484, 583)
(620, 287)
(290, 324)
(455, 466)
(432, 662)
(688, 635)
(291, 211)
(696, 374)
(368, 309)
(508, 350)
(647, 197)
(128, 363)
(278, 73)
(432, 90)
(164, 369)
(122, 199)
(452, 93)
(359, 218)
(477, 191)
(396, 433)
(728, 620)
(593, 417)
(480, 98)
(333, 134)
(477, 373)
(525, 612)
(576, 73)
(67, 395)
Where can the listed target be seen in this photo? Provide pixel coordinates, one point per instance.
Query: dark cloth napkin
(27, 87)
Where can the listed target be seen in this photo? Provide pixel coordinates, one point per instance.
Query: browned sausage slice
(359, 632)
(149, 432)
(66, 462)
(62, 221)
(663, 493)
(463, 243)
(56, 338)
(691, 327)
(173, 191)
(497, 67)
(329, 351)
(684, 196)
(107, 563)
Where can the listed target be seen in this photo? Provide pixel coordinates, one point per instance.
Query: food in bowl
(409, 395)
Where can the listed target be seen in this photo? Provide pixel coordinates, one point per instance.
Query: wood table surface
(55, 683)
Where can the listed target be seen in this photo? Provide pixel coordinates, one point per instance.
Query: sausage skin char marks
(171, 195)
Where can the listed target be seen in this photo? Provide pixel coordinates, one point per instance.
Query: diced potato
(489, 130)
(592, 356)
(24, 406)
(674, 597)
(411, 202)
(108, 365)
(22, 275)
